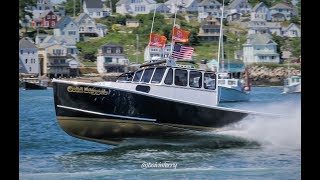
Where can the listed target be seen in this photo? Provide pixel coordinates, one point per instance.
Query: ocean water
(254, 148)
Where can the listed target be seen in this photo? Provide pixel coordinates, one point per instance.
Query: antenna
(218, 66)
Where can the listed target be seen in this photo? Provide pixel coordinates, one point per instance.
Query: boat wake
(282, 131)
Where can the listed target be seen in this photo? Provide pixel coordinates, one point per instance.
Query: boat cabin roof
(172, 76)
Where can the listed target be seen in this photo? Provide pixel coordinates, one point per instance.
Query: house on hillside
(291, 31)
(261, 11)
(233, 16)
(162, 9)
(45, 19)
(283, 11)
(134, 7)
(260, 48)
(67, 27)
(154, 53)
(88, 27)
(209, 8)
(95, 9)
(189, 6)
(132, 23)
(209, 30)
(260, 26)
(111, 58)
(239, 6)
(28, 57)
(42, 5)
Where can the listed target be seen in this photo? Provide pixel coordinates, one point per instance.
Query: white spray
(271, 131)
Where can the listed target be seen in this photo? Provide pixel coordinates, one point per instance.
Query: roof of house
(290, 26)
(206, 2)
(260, 39)
(101, 25)
(234, 4)
(281, 6)
(26, 43)
(80, 17)
(259, 5)
(64, 20)
(111, 44)
(129, 2)
(93, 3)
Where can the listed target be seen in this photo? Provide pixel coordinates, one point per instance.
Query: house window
(53, 17)
(30, 69)
(72, 33)
(81, 28)
(71, 25)
(26, 61)
(117, 60)
(98, 13)
(21, 51)
(47, 23)
(48, 16)
(53, 23)
(118, 51)
(90, 13)
(107, 59)
(28, 52)
(109, 50)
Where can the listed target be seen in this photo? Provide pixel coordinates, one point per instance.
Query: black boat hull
(109, 115)
(32, 86)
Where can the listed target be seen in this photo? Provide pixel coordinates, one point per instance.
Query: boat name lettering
(92, 91)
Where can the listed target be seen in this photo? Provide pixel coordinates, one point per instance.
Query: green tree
(296, 47)
(295, 20)
(69, 7)
(280, 41)
(24, 4)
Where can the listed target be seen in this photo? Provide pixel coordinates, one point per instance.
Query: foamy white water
(282, 131)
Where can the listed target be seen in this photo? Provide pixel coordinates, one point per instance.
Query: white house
(260, 26)
(209, 8)
(151, 53)
(67, 27)
(239, 6)
(88, 27)
(261, 11)
(134, 7)
(260, 48)
(43, 5)
(283, 11)
(183, 5)
(110, 58)
(28, 57)
(291, 31)
(95, 9)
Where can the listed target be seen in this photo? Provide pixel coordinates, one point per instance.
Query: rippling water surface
(255, 148)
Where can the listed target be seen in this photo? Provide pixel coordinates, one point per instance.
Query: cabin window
(158, 74)
(137, 76)
(195, 79)
(209, 81)
(147, 75)
(181, 77)
(169, 77)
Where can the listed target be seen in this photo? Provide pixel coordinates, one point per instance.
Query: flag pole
(154, 14)
(174, 24)
(218, 66)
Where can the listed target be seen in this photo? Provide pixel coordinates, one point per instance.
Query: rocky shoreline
(266, 76)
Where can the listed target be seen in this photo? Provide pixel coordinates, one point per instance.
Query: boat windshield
(158, 74)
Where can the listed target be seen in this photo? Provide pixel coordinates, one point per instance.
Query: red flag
(157, 40)
(179, 35)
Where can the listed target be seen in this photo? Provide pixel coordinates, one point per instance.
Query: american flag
(182, 52)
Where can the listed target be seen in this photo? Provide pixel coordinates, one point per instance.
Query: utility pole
(74, 8)
(137, 49)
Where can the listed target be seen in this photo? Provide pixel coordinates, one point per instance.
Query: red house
(46, 19)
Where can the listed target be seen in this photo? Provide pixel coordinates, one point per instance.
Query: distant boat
(292, 84)
(231, 89)
(33, 86)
